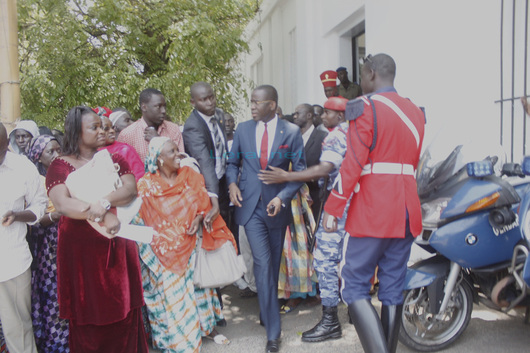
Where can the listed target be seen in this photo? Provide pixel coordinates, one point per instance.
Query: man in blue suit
(264, 210)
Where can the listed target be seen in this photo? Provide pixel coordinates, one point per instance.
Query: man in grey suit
(205, 140)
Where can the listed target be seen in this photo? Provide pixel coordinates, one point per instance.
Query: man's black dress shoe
(273, 346)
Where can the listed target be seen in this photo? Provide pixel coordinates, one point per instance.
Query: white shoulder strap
(401, 115)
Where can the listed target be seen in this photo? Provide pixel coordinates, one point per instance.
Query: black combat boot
(390, 316)
(328, 327)
(368, 326)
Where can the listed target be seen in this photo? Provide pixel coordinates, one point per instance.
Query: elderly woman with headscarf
(20, 137)
(175, 203)
(51, 332)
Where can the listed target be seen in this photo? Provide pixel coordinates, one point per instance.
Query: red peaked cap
(329, 78)
(102, 111)
(336, 103)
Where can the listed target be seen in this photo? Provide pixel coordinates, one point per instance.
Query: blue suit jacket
(287, 147)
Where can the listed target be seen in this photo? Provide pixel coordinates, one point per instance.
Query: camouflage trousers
(326, 258)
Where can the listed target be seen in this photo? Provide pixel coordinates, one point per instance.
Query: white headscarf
(155, 147)
(114, 117)
(27, 125)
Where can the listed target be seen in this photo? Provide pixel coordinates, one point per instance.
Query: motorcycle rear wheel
(422, 331)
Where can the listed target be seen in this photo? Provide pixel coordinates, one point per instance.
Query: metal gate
(513, 77)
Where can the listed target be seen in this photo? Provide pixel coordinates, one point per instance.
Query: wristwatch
(105, 204)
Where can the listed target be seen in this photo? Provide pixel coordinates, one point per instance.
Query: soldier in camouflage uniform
(328, 251)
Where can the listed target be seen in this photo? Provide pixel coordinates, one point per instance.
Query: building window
(256, 71)
(359, 51)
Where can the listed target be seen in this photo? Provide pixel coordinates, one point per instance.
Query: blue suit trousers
(266, 244)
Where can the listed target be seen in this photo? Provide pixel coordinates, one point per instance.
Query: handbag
(219, 267)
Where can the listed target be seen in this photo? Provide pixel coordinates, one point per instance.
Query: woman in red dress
(99, 280)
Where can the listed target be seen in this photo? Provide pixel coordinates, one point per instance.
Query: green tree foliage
(104, 52)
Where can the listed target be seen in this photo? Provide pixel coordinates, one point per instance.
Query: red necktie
(264, 147)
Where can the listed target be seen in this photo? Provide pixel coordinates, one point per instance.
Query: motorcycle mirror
(526, 165)
(481, 168)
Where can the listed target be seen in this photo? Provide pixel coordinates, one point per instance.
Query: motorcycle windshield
(439, 165)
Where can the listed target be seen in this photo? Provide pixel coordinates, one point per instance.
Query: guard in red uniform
(329, 81)
(384, 145)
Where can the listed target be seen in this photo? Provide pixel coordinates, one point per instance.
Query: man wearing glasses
(264, 210)
(384, 144)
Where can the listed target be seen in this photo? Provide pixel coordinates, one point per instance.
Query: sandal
(284, 309)
(218, 338)
(290, 305)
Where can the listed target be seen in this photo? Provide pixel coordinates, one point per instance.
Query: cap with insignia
(336, 103)
(329, 78)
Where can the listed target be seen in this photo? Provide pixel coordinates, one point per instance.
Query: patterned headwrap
(37, 146)
(102, 111)
(155, 147)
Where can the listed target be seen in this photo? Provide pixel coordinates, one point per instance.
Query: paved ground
(489, 331)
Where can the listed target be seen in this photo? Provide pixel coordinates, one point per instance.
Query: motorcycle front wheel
(424, 331)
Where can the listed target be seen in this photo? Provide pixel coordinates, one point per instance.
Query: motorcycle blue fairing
(424, 272)
(429, 273)
(474, 190)
(472, 243)
(417, 279)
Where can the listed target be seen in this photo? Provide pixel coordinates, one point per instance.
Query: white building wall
(447, 54)
(294, 41)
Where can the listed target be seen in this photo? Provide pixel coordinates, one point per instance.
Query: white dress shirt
(219, 171)
(20, 189)
(307, 134)
(271, 132)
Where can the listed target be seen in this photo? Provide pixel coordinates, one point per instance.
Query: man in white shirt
(23, 202)
(264, 210)
(205, 140)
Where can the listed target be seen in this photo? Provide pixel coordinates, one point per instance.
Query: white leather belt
(389, 168)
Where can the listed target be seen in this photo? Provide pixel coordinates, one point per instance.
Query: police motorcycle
(477, 231)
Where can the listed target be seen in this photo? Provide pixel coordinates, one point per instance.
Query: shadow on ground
(488, 332)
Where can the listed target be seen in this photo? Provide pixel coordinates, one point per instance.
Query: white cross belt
(389, 168)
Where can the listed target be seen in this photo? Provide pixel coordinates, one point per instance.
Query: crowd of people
(291, 193)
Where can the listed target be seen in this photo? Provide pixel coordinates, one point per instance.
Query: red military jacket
(380, 181)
